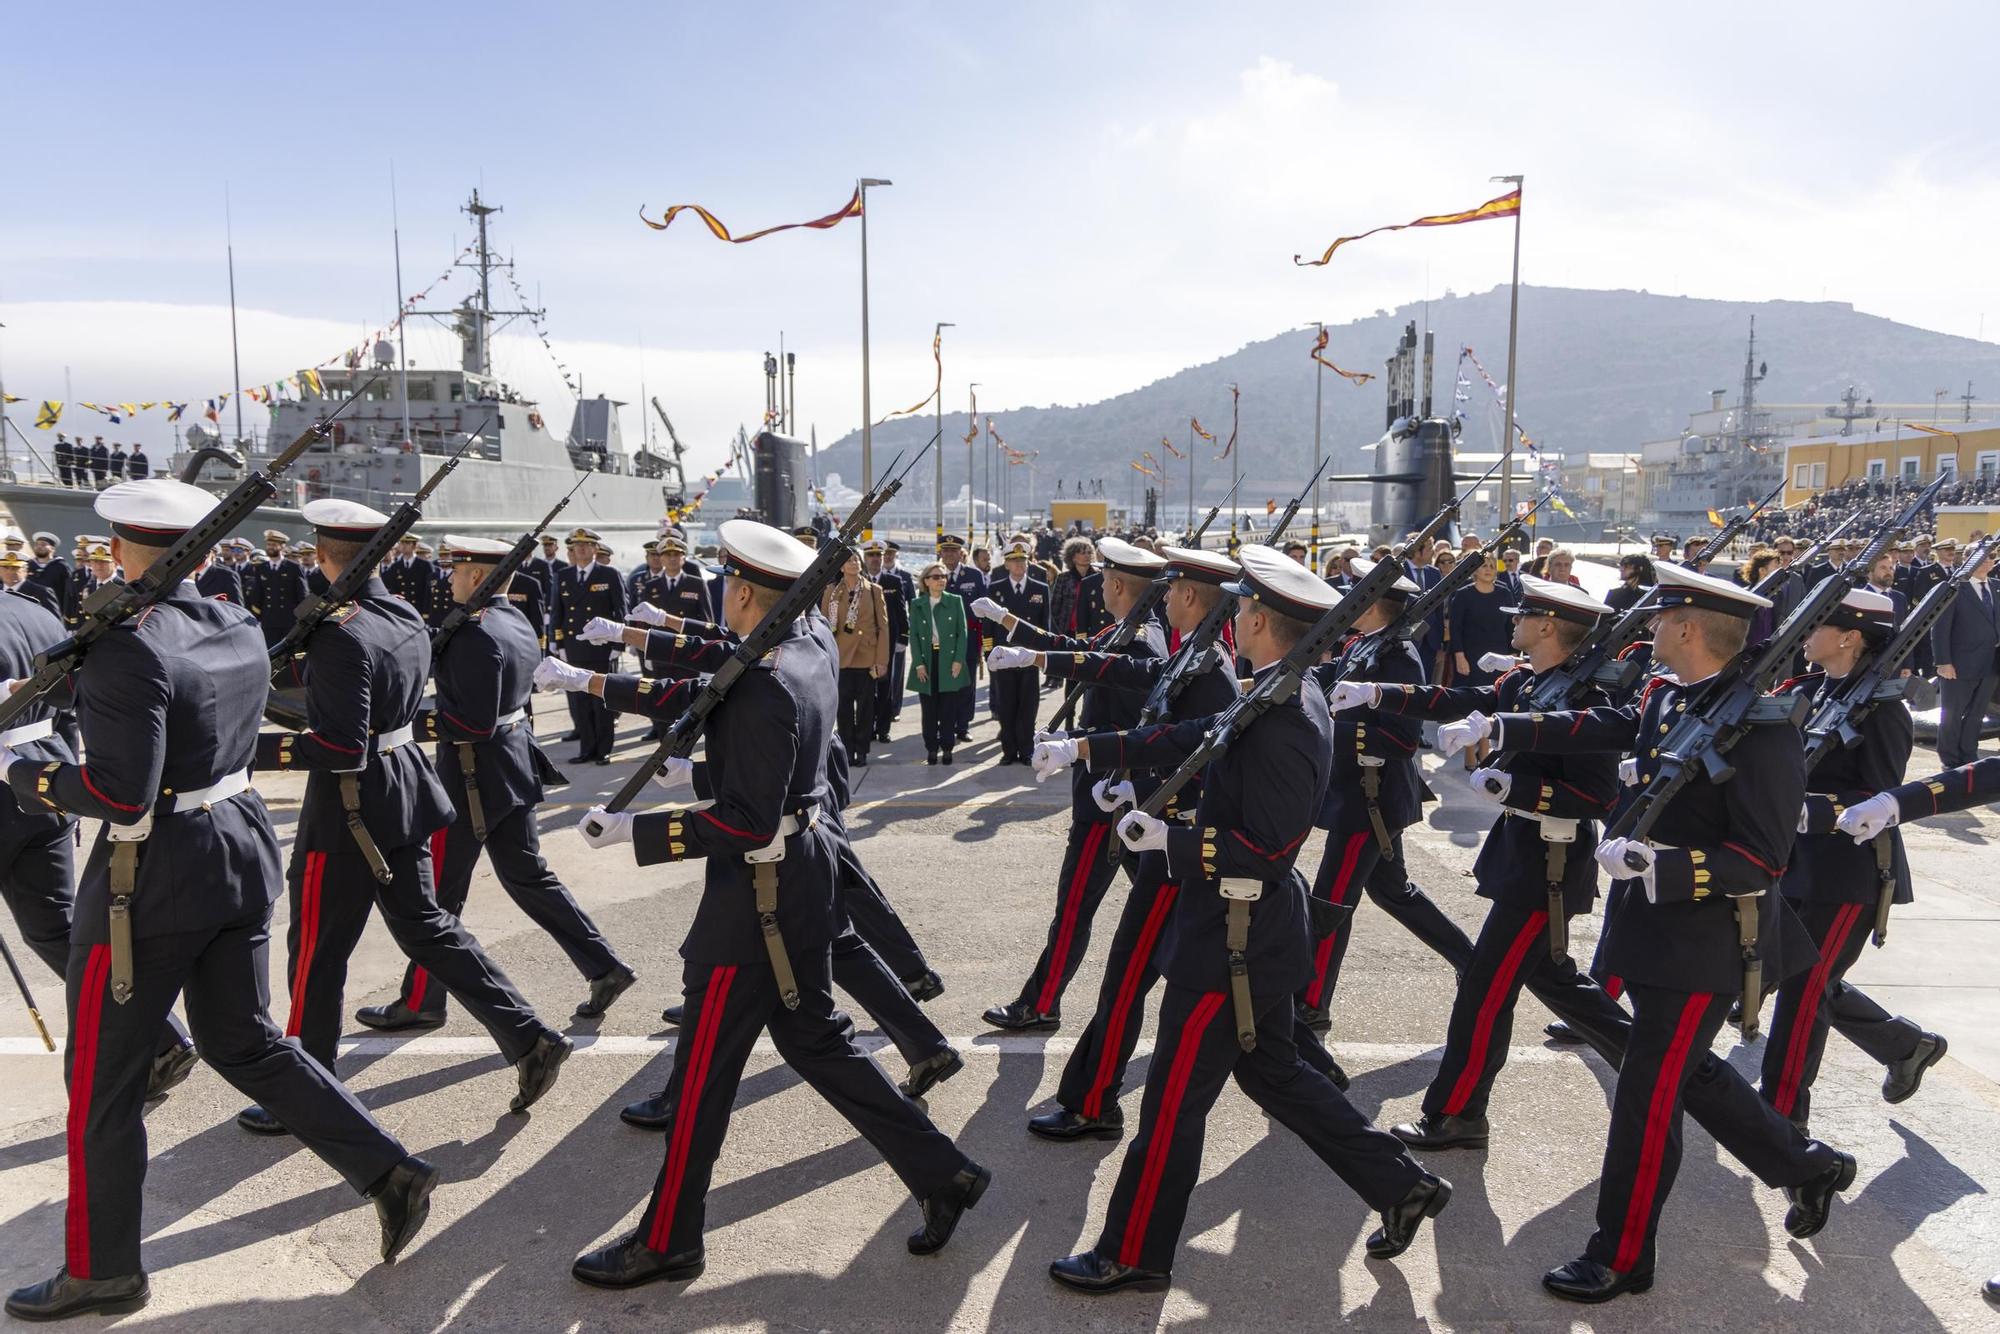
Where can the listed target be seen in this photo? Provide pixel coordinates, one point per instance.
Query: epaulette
(343, 613)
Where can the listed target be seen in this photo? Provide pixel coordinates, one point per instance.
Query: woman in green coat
(937, 657)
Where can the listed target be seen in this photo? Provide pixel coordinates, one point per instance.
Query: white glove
(1805, 818)
(1467, 731)
(988, 608)
(1109, 796)
(555, 674)
(1051, 757)
(1142, 833)
(1864, 820)
(1491, 784)
(7, 758)
(1353, 695)
(600, 828)
(677, 770)
(1628, 771)
(1498, 662)
(1008, 656)
(1041, 736)
(1611, 854)
(645, 613)
(603, 630)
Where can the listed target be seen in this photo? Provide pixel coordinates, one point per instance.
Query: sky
(1095, 194)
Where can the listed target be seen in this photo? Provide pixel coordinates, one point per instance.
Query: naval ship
(513, 471)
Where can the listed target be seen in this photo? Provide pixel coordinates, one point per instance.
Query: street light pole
(1319, 377)
(971, 470)
(867, 413)
(937, 336)
(1513, 332)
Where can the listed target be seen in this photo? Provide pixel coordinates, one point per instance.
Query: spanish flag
(851, 209)
(1195, 423)
(1505, 206)
(1168, 445)
(310, 380)
(1319, 349)
(1717, 520)
(48, 414)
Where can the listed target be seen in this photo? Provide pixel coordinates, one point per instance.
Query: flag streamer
(1504, 206)
(1358, 378)
(937, 389)
(1235, 398)
(1195, 423)
(851, 209)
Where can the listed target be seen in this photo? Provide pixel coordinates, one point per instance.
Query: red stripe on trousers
(1806, 1017)
(1323, 956)
(1086, 863)
(1489, 1010)
(685, 1109)
(1128, 992)
(82, 1078)
(1653, 1146)
(1163, 1131)
(309, 886)
(420, 980)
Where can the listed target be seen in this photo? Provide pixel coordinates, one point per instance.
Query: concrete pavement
(805, 1225)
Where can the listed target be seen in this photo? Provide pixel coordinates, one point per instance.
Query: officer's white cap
(1546, 597)
(346, 520)
(762, 554)
(1404, 585)
(152, 512)
(1275, 580)
(484, 550)
(1208, 567)
(1682, 587)
(1123, 556)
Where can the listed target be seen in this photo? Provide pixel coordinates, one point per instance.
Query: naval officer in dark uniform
(169, 703)
(280, 589)
(767, 747)
(1025, 598)
(1087, 868)
(1258, 800)
(364, 670)
(1535, 861)
(487, 760)
(1671, 931)
(14, 579)
(585, 589)
(1087, 1096)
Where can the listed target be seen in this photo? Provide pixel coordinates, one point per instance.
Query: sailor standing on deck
(48, 569)
(489, 764)
(170, 703)
(364, 670)
(1240, 900)
(767, 744)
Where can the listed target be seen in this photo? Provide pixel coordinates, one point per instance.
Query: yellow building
(1895, 451)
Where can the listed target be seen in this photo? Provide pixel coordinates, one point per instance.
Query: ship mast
(473, 321)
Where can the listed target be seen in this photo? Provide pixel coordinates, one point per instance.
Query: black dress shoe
(1906, 1076)
(1813, 1201)
(1401, 1220)
(1992, 1290)
(944, 756)
(396, 1015)
(1558, 1031)
(403, 1202)
(943, 1210)
(1063, 1124)
(580, 759)
(602, 759)
(925, 988)
(1022, 1017)
(1443, 1132)
(1585, 1280)
(1092, 1273)
(654, 1113)
(171, 1069)
(628, 1263)
(537, 1070)
(858, 760)
(62, 1296)
(930, 757)
(260, 1122)
(932, 1071)
(1319, 1021)
(604, 990)
(673, 1014)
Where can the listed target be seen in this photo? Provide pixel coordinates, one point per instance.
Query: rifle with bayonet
(1194, 538)
(1276, 687)
(1836, 723)
(1129, 627)
(1291, 510)
(115, 603)
(803, 595)
(1735, 702)
(1418, 610)
(500, 576)
(1730, 530)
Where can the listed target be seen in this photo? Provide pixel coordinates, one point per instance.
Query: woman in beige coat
(859, 614)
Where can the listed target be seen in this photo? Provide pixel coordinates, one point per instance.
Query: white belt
(1238, 887)
(510, 719)
(789, 824)
(220, 791)
(21, 736)
(400, 736)
(1553, 829)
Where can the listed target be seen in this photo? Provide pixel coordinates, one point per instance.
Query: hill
(1599, 371)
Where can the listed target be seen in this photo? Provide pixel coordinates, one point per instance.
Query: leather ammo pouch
(763, 865)
(1239, 894)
